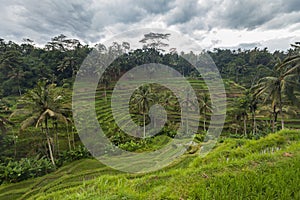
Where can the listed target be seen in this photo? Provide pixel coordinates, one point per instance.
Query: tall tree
(42, 104)
(273, 88)
(241, 106)
(154, 40)
(143, 97)
(253, 105)
(205, 107)
(187, 103)
(11, 65)
(291, 64)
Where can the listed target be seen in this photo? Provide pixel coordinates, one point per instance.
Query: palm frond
(29, 122)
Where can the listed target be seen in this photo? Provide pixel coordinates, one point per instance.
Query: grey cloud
(244, 14)
(49, 18)
(90, 19)
(256, 13)
(233, 14)
(182, 12)
(154, 6)
(291, 6)
(85, 19)
(52, 16)
(249, 45)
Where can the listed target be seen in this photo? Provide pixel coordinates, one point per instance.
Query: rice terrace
(185, 107)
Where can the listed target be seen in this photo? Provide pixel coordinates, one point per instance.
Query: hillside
(267, 168)
(40, 136)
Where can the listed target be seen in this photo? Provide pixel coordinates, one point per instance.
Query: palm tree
(67, 65)
(170, 103)
(205, 107)
(105, 81)
(187, 103)
(11, 64)
(168, 100)
(142, 99)
(17, 74)
(291, 64)
(253, 107)
(42, 104)
(273, 88)
(240, 112)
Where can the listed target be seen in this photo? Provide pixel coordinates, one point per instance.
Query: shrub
(68, 156)
(15, 171)
(131, 146)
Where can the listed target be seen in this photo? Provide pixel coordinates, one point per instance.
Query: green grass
(268, 168)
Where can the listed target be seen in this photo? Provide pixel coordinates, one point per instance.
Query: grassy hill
(267, 168)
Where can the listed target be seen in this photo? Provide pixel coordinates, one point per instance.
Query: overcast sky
(213, 23)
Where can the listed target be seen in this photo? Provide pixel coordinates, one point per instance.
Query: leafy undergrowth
(268, 168)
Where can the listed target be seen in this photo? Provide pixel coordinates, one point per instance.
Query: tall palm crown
(291, 64)
(44, 102)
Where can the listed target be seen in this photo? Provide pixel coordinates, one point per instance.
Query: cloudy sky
(212, 23)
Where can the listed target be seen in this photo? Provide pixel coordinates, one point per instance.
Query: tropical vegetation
(251, 159)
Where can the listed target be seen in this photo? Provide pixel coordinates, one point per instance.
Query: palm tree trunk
(144, 125)
(73, 137)
(181, 117)
(254, 122)
(187, 124)
(204, 121)
(49, 143)
(19, 88)
(274, 119)
(50, 150)
(15, 145)
(69, 139)
(105, 94)
(57, 140)
(245, 126)
(281, 113)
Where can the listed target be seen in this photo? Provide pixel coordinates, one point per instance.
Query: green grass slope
(268, 168)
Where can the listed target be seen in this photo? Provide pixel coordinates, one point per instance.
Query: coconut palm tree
(105, 81)
(170, 103)
(44, 103)
(291, 64)
(11, 65)
(169, 100)
(241, 106)
(187, 103)
(142, 98)
(273, 88)
(253, 102)
(205, 107)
